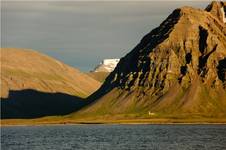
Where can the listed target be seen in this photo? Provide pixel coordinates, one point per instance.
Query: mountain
(28, 69)
(35, 85)
(177, 70)
(107, 65)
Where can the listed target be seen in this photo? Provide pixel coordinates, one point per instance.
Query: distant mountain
(28, 69)
(177, 70)
(107, 65)
(102, 70)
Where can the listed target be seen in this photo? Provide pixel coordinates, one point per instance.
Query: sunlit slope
(28, 69)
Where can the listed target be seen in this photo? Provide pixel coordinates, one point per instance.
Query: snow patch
(107, 65)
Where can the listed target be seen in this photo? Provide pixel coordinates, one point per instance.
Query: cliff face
(176, 69)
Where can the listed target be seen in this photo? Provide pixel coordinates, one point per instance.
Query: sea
(114, 137)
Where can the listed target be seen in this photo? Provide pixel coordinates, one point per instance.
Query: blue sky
(81, 34)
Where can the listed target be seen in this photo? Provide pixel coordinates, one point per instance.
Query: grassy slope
(203, 106)
(138, 114)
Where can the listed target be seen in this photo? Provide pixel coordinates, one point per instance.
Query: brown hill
(177, 70)
(35, 85)
(28, 69)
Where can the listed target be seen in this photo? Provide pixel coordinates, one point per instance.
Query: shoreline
(41, 122)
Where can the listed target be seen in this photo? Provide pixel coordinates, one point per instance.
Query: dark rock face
(177, 67)
(222, 70)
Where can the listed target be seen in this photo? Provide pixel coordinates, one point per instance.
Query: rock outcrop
(218, 9)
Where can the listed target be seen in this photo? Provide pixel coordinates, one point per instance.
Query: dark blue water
(119, 137)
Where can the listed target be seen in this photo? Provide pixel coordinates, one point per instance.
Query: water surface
(132, 137)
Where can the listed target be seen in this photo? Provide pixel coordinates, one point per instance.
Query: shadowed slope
(33, 104)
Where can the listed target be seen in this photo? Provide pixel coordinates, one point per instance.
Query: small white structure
(151, 113)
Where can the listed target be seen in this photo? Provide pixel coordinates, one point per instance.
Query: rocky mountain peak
(185, 45)
(179, 64)
(218, 9)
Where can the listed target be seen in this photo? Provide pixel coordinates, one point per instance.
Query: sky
(82, 34)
